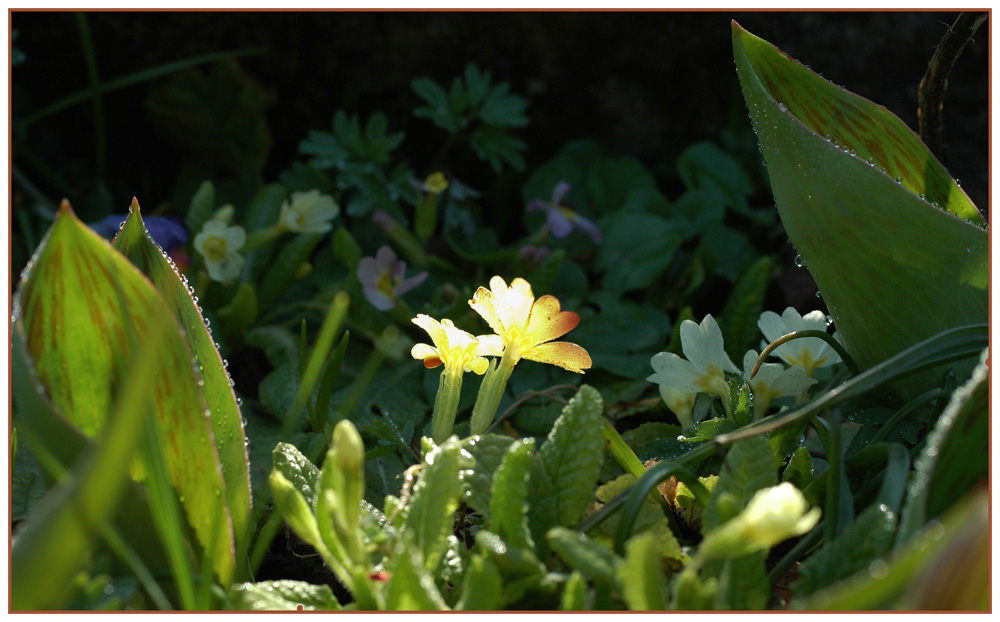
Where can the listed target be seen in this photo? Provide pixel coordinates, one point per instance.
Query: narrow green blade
(892, 241)
(77, 305)
(227, 423)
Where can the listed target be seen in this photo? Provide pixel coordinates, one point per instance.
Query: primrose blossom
(809, 352)
(774, 380)
(383, 278)
(704, 370)
(560, 218)
(218, 244)
(308, 212)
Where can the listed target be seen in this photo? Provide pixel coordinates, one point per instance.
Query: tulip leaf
(893, 242)
(134, 242)
(75, 310)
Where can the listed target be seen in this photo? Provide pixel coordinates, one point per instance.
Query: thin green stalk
(132, 79)
(324, 341)
(802, 334)
(90, 58)
(831, 510)
(620, 450)
(903, 412)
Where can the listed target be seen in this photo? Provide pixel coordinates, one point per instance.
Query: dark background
(648, 84)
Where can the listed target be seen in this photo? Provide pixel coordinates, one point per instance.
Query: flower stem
(446, 402)
(492, 389)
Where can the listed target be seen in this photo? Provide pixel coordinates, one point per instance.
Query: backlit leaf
(75, 309)
(892, 241)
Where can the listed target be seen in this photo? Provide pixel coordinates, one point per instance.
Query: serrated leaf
(481, 586)
(412, 587)
(641, 574)
(430, 91)
(915, 269)
(572, 455)
(134, 242)
(596, 561)
(749, 466)
(509, 500)
(74, 312)
(435, 499)
(488, 452)
(281, 595)
(869, 537)
(298, 470)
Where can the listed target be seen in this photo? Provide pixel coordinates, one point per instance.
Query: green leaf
(704, 165)
(435, 499)
(201, 208)
(749, 466)
(80, 286)
(800, 469)
(866, 539)
(569, 463)
(956, 456)
(597, 562)
(412, 587)
(46, 554)
(743, 308)
(298, 470)
(743, 584)
(641, 574)
(637, 248)
(481, 587)
(281, 595)
(574, 596)
(488, 452)
(896, 261)
(280, 273)
(430, 91)
(509, 501)
(134, 242)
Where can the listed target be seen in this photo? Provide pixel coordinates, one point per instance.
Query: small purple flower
(168, 232)
(382, 278)
(562, 219)
(534, 254)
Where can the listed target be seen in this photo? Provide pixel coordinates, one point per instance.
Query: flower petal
(407, 284)
(483, 303)
(561, 353)
(558, 222)
(489, 345)
(422, 351)
(675, 372)
(588, 227)
(548, 322)
(703, 345)
(379, 300)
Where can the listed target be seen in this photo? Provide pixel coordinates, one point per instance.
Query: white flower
(772, 516)
(703, 371)
(811, 352)
(218, 243)
(308, 212)
(773, 380)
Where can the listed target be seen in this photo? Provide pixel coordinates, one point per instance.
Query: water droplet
(899, 179)
(968, 248)
(922, 196)
(818, 294)
(878, 569)
(958, 183)
(799, 262)
(854, 152)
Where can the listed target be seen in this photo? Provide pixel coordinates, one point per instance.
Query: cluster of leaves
(324, 424)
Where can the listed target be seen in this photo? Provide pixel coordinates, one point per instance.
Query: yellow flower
(454, 346)
(436, 183)
(528, 326)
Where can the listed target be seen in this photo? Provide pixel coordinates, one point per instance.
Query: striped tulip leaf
(80, 313)
(134, 241)
(898, 250)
